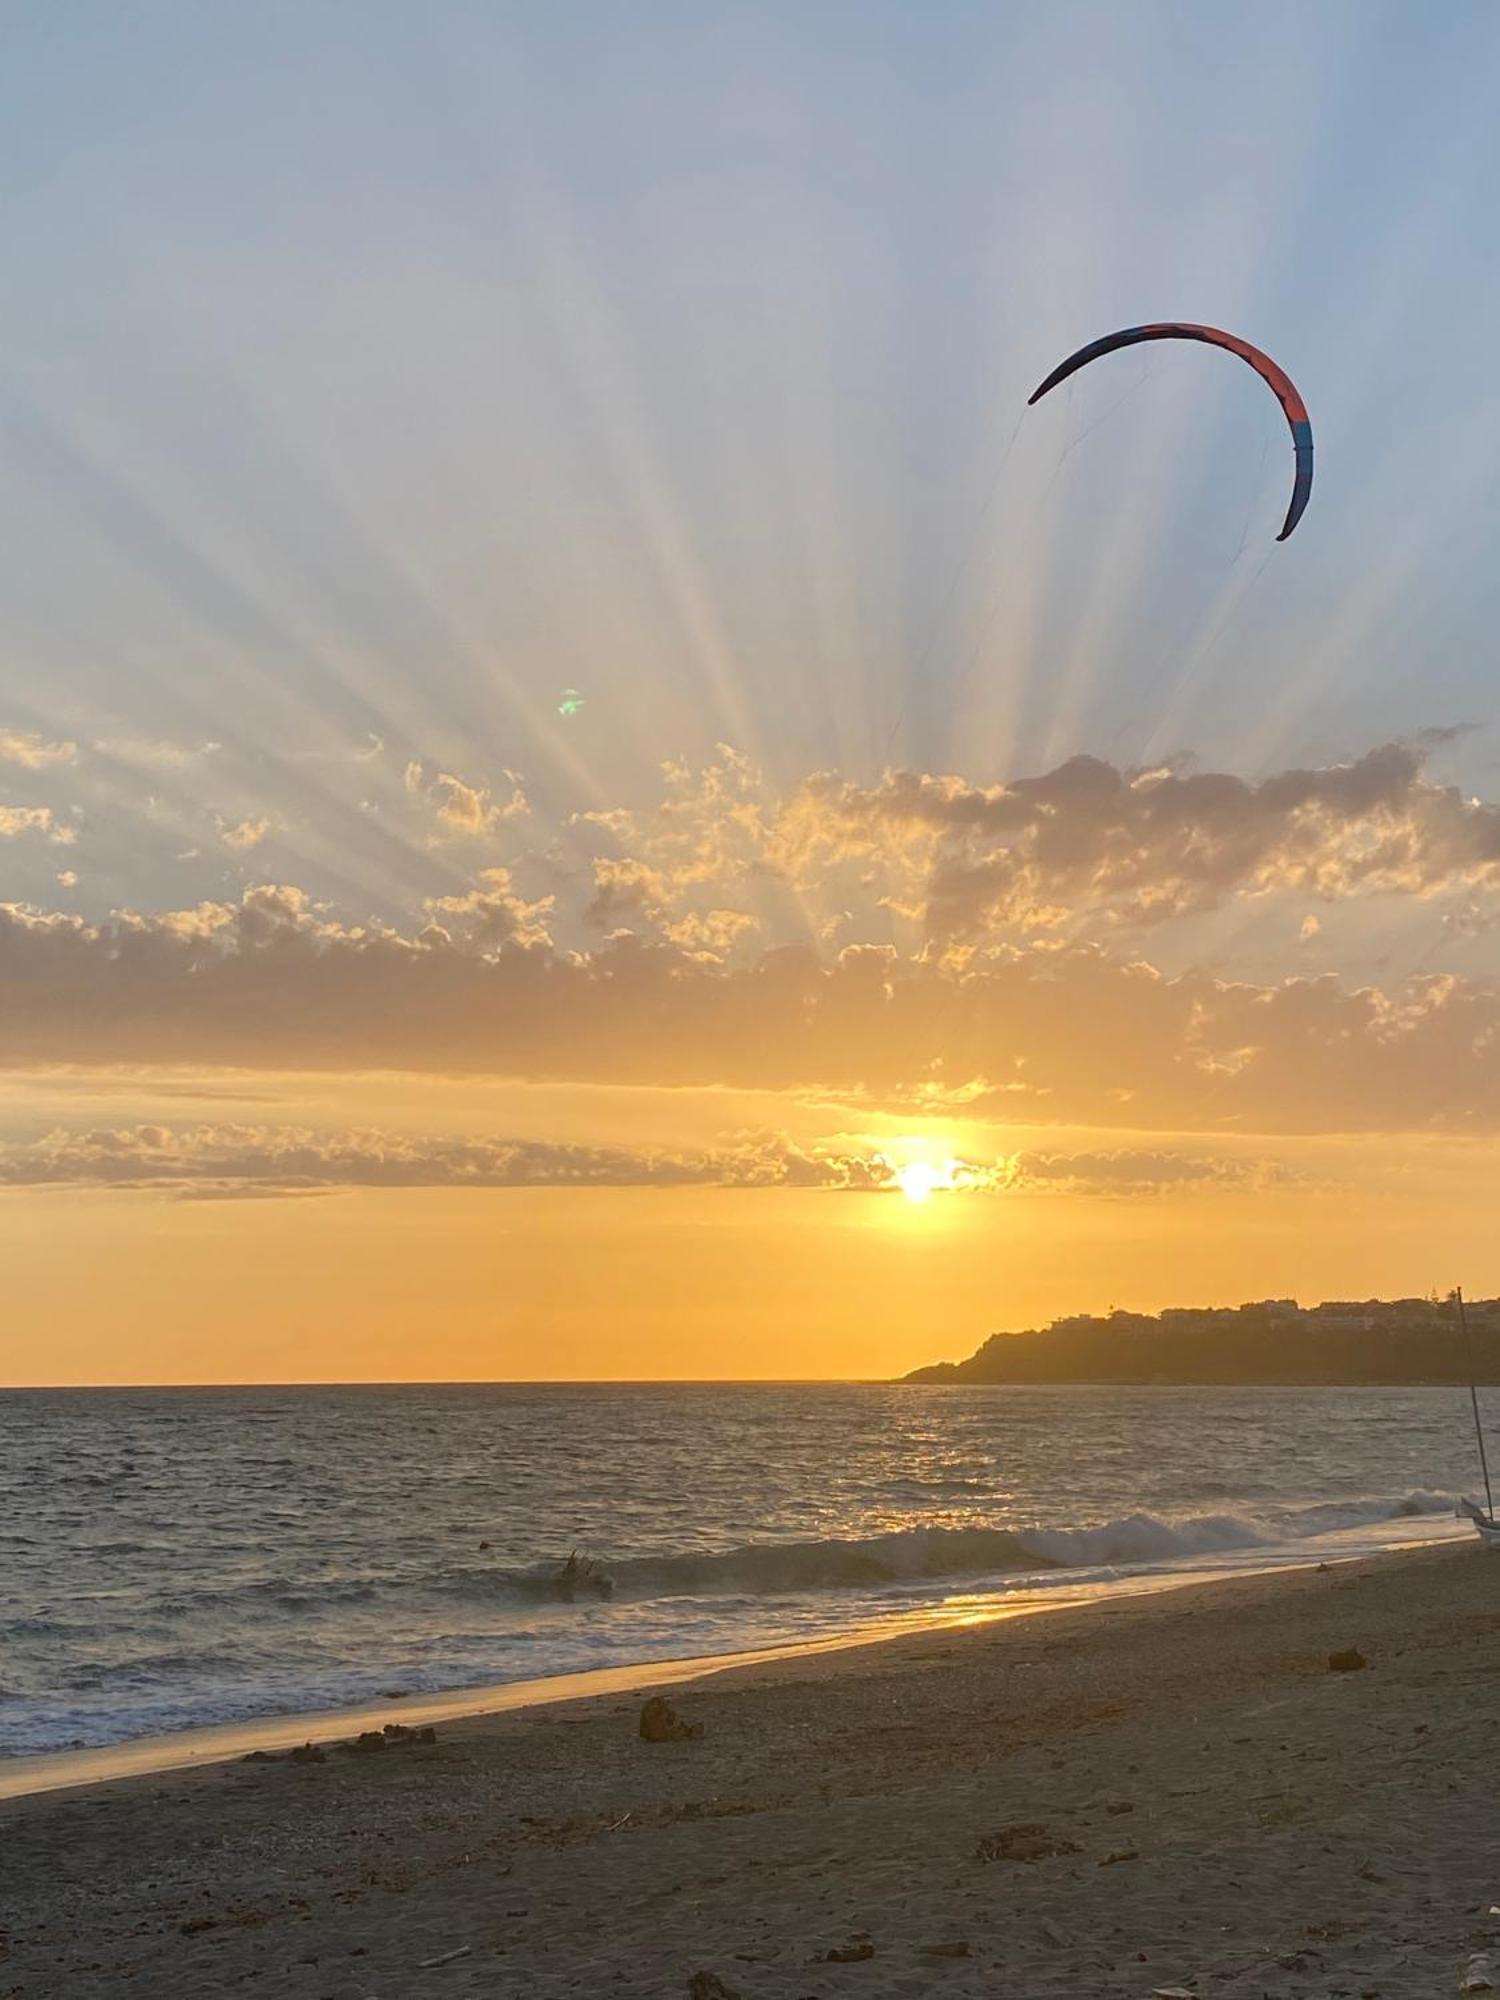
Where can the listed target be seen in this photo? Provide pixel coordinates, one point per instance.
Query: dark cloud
(207, 1162)
(217, 1159)
(1137, 1173)
(1056, 1034)
(1440, 735)
(1088, 840)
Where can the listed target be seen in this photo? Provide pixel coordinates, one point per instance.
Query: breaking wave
(932, 1554)
(936, 1553)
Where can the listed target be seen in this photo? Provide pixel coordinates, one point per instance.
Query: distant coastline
(1269, 1343)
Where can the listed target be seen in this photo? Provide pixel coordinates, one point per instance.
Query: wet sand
(1214, 1810)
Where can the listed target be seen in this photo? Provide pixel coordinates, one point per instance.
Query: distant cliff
(1270, 1342)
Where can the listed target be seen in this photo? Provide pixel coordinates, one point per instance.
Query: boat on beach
(1485, 1525)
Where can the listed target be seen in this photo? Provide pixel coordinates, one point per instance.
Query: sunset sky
(585, 791)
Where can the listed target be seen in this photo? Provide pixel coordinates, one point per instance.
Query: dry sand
(1230, 1818)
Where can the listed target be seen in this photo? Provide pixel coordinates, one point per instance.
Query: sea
(177, 1558)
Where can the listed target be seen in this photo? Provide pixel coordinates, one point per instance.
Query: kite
(1280, 383)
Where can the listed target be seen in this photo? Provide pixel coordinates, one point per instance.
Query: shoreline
(34, 1774)
(1162, 1790)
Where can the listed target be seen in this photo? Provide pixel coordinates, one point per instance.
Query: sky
(585, 790)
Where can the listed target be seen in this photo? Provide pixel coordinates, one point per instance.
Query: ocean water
(183, 1557)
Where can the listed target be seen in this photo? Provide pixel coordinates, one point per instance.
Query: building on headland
(1353, 1341)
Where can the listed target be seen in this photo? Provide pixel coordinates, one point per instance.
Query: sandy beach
(1203, 1805)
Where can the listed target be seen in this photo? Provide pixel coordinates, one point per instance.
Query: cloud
(1136, 1173)
(253, 1158)
(1023, 993)
(1088, 840)
(1044, 1033)
(257, 1158)
(1087, 851)
(156, 752)
(1471, 920)
(463, 811)
(18, 820)
(222, 1161)
(629, 895)
(245, 834)
(684, 871)
(1440, 735)
(488, 915)
(33, 752)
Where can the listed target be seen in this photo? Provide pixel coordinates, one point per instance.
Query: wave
(426, 1633)
(904, 1558)
(933, 1553)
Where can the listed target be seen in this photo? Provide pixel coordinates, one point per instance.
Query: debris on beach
(660, 1723)
(365, 1744)
(1349, 1661)
(305, 1753)
(401, 1732)
(445, 1958)
(709, 1986)
(1479, 1974)
(369, 1741)
(1120, 1854)
(846, 1954)
(958, 1949)
(1025, 1840)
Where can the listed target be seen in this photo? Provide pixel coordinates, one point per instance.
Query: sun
(919, 1180)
